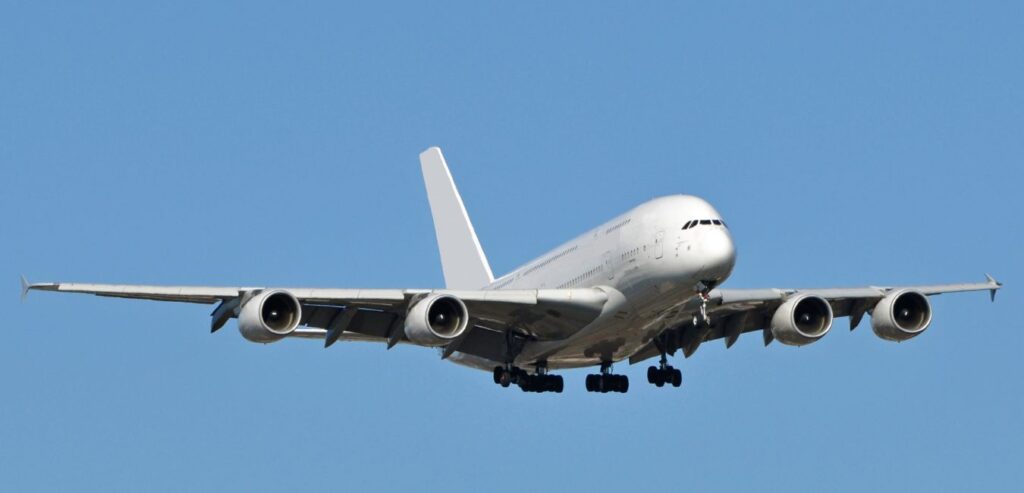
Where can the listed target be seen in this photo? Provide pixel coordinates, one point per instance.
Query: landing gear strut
(607, 382)
(538, 382)
(701, 318)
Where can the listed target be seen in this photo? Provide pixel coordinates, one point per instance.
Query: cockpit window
(704, 222)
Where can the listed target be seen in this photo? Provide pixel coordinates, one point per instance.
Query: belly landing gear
(607, 382)
(664, 374)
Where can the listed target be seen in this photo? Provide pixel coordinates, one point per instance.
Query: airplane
(643, 285)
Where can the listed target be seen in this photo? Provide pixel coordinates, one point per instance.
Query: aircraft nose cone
(719, 256)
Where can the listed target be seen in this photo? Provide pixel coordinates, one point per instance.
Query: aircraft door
(659, 244)
(609, 268)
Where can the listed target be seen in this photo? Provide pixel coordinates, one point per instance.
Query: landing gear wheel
(539, 382)
(553, 383)
(665, 374)
(505, 376)
(607, 383)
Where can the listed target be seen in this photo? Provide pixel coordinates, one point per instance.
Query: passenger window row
(582, 277)
(549, 260)
(704, 222)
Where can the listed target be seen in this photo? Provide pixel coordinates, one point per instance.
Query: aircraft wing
(378, 314)
(734, 312)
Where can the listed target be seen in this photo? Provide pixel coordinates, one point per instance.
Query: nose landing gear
(701, 318)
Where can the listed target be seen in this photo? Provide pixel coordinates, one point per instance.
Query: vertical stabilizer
(462, 260)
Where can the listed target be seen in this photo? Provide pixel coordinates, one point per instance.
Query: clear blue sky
(275, 144)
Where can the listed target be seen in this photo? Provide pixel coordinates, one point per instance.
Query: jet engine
(901, 315)
(436, 320)
(269, 316)
(802, 320)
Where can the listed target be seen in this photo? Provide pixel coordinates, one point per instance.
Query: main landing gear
(538, 382)
(607, 382)
(664, 374)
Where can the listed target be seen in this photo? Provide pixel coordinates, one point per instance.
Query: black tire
(506, 379)
(677, 378)
(559, 384)
(652, 374)
(659, 379)
(623, 384)
(498, 371)
(590, 383)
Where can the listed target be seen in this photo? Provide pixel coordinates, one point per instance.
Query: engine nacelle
(802, 320)
(436, 320)
(901, 315)
(269, 316)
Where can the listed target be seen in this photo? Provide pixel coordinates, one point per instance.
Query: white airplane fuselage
(652, 268)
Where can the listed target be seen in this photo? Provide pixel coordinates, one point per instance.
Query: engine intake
(269, 316)
(436, 320)
(802, 320)
(901, 315)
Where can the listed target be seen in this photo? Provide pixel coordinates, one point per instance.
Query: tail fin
(462, 260)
